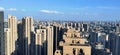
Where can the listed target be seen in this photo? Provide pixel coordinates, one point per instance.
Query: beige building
(27, 23)
(40, 42)
(74, 44)
(12, 25)
(50, 40)
(7, 41)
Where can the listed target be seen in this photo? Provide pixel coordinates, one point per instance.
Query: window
(72, 41)
(81, 52)
(67, 54)
(74, 51)
(42, 31)
(78, 42)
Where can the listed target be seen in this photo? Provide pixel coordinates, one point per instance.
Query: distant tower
(85, 27)
(50, 40)
(1, 33)
(12, 25)
(27, 23)
(117, 28)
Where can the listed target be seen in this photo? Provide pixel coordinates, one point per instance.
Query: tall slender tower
(1, 33)
(6, 42)
(27, 23)
(50, 40)
(12, 25)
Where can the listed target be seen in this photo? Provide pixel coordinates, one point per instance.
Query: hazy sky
(76, 10)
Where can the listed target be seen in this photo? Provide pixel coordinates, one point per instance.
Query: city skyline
(73, 10)
(29, 37)
(59, 27)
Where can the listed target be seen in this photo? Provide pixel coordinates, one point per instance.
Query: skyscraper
(20, 38)
(12, 25)
(7, 41)
(1, 33)
(50, 40)
(27, 23)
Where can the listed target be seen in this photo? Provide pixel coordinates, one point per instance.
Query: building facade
(74, 44)
(50, 40)
(7, 41)
(12, 25)
(40, 42)
(1, 33)
(27, 23)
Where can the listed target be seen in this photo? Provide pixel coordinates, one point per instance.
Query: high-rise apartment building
(1, 33)
(50, 40)
(12, 25)
(7, 41)
(20, 37)
(27, 24)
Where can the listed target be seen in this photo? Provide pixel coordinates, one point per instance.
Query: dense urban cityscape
(59, 27)
(33, 37)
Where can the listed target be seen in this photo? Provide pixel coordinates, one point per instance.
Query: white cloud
(2, 9)
(12, 9)
(51, 12)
